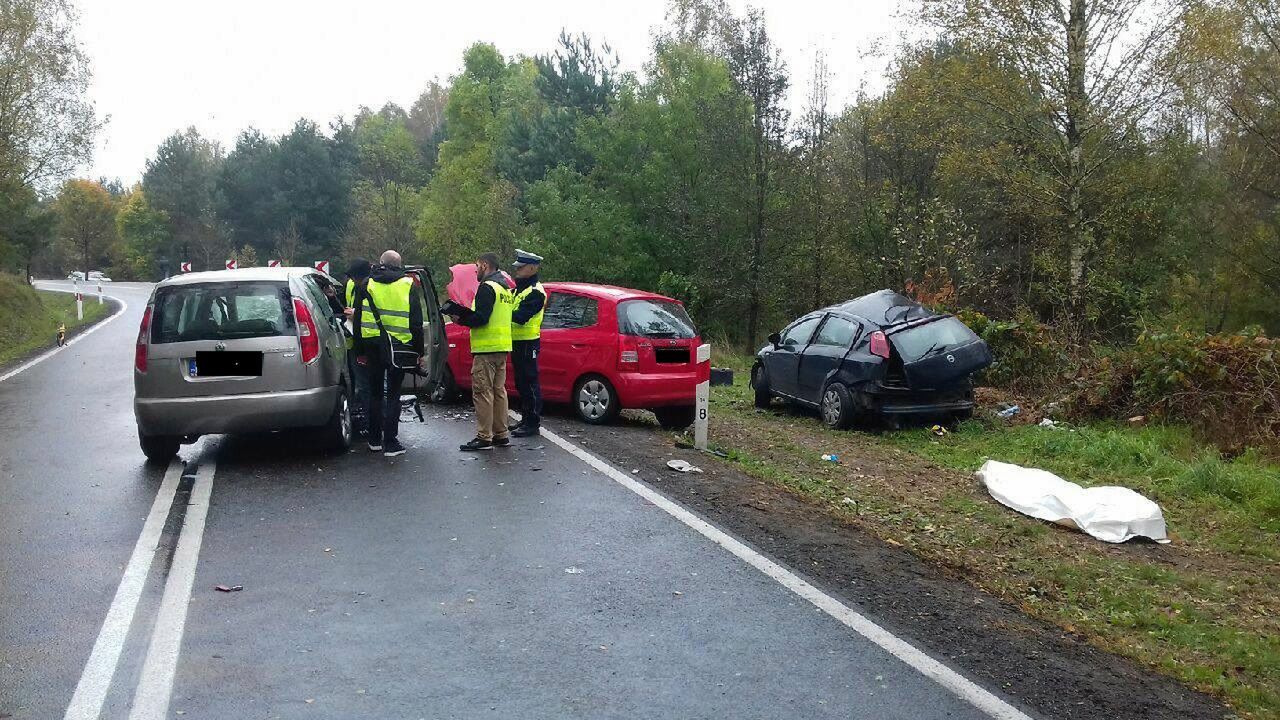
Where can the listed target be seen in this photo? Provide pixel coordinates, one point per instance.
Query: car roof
(606, 292)
(881, 308)
(254, 274)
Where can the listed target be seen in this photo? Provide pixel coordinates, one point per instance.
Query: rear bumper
(899, 401)
(252, 412)
(653, 390)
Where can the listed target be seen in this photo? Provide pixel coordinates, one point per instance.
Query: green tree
(144, 234)
(26, 227)
(47, 123)
(182, 181)
(86, 221)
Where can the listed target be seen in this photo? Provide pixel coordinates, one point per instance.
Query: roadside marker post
(79, 302)
(99, 292)
(702, 397)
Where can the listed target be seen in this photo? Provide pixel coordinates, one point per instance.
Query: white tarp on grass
(1111, 514)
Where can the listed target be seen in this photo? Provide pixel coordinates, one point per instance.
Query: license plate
(226, 364)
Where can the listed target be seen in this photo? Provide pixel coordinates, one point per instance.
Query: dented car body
(878, 355)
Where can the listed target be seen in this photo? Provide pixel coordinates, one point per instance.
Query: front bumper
(219, 414)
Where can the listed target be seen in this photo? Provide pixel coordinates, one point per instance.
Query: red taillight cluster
(140, 349)
(308, 334)
(879, 344)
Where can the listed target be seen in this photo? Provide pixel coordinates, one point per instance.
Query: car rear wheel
(595, 400)
(675, 418)
(760, 383)
(337, 432)
(159, 448)
(837, 407)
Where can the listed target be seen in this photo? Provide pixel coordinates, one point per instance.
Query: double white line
(151, 699)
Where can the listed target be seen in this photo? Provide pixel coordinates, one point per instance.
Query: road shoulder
(1051, 671)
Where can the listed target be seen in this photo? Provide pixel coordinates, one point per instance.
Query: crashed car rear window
(221, 311)
(922, 341)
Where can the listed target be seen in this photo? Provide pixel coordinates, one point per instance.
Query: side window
(836, 332)
(567, 312)
(797, 336)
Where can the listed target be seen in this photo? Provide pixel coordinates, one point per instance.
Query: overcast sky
(162, 65)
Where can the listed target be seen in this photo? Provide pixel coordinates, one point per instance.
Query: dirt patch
(1051, 672)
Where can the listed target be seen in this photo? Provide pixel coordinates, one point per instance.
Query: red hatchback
(604, 349)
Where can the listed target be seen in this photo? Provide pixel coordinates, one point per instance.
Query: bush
(1226, 387)
(1028, 354)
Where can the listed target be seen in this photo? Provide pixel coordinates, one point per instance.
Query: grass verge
(32, 317)
(1204, 609)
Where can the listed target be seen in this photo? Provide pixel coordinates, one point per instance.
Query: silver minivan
(254, 350)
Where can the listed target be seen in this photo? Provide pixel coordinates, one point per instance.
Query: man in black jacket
(388, 313)
(526, 333)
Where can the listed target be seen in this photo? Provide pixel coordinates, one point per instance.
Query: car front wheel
(837, 407)
(760, 383)
(595, 400)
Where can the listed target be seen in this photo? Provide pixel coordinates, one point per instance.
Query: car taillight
(308, 334)
(628, 353)
(140, 349)
(879, 344)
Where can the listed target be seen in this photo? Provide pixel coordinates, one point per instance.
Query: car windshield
(931, 338)
(655, 318)
(221, 311)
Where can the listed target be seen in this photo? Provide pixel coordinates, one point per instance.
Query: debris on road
(1109, 513)
(849, 501)
(1047, 423)
(831, 458)
(683, 466)
(228, 588)
(938, 430)
(573, 570)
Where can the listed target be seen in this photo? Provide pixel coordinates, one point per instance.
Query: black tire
(159, 448)
(760, 383)
(675, 418)
(595, 401)
(337, 433)
(837, 406)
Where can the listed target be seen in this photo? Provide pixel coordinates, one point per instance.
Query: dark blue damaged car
(880, 356)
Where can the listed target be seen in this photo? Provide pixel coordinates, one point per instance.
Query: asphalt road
(522, 583)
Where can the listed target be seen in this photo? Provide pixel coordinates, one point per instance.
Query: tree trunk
(757, 245)
(1076, 98)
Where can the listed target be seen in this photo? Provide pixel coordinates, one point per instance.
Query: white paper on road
(1108, 513)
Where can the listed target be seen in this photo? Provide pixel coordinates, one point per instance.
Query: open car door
(423, 383)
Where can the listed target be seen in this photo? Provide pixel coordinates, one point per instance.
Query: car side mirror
(775, 339)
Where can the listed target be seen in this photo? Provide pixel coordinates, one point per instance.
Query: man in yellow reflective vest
(526, 333)
(388, 313)
(490, 323)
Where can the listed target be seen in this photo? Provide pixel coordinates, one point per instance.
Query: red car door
(573, 343)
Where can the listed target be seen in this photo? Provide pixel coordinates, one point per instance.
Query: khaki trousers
(489, 392)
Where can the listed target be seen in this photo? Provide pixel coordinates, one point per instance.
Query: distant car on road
(94, 276)
(605, 349)
(250, 350)
(878, 355)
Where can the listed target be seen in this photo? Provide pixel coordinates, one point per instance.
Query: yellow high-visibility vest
(392, 300)
(495, 335)
(532, 329)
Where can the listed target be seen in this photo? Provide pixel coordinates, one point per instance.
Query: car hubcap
(594, 399)
(831, 407)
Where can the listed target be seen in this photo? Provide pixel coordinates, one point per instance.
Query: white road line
(906, 652)
(151, 700)
(91, 691)
(50, 353)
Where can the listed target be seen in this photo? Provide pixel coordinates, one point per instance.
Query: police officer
(490, 323)
(526, 330)
(389, 306)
